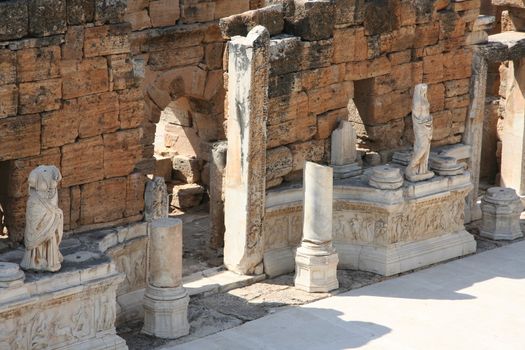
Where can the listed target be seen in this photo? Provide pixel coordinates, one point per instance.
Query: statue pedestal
(501, 209)
(316, 273)
(392, 231)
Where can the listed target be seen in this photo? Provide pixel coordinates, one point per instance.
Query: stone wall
(325, 54)
(68, 97)
(82, 86)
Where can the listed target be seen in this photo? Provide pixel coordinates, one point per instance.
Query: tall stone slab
(244, 186)
(316, 259)
(165, 299)
(343, 151)
(513, 151)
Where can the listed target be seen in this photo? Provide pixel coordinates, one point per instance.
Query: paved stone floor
(477, 302)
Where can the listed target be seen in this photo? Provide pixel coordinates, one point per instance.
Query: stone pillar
(513, 151)
(217, 165)
(474, 130)
(245, 175)
(165, 300)
(343, 151)
(501, 209)
(316, 259)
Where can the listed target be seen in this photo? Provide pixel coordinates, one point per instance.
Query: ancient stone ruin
(306, 135)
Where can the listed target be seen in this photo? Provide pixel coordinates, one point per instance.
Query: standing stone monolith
(343, 151)
(165, 300)
(501, 209)
(156, 204)
(316, 259)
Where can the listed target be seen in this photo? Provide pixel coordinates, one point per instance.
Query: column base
(166, 312)
(316, 274)
(347, 170)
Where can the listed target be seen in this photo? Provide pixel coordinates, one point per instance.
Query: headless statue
(44, 221)
(417, 169)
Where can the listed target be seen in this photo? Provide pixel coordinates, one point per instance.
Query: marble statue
(156, 199)
(417, 169)
(44, 221)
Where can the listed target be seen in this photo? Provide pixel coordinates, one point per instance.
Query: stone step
(217, 280)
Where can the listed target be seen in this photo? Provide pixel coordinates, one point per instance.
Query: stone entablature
(382, 231)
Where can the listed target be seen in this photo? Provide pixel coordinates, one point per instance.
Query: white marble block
(165, 300)
(343, 151)
(501, 208)
(316, 259)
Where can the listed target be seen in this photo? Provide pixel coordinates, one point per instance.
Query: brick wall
(372, 53)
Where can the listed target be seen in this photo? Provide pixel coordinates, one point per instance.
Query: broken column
(501, 208)
(343, 151)
(217, 165)
(245, 174)
(316, 259)
(165, 300)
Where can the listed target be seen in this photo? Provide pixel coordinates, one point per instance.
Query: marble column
(316, 259)
(165, 300)
(245, 173)
(343, 151)
(501, 208)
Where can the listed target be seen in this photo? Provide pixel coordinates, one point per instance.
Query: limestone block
(83, 161)
(40, 96)
(163, 167)
(38, 63)
(84, 77)
(109, 11)
(122, 151)
(8, 100)
(278, 162)
(271, 17)
(135, 194)
(100, 114)
(98, 208)
(197, 12)
(15, 20)
(74, 43)
(7, 67)
(80, 12)
(106, 40)
(20, 137)
(187, 196)
(163, 60)
(47, 17)
(164, 12)
(313, 151)
(121, 72)
(312, 19)
(501, 208)
(187, 169)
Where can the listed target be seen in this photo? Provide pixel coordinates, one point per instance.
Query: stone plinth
(343, 151)
(71, 310)
(10, 275)
(446, 166)
(385, 177)
(316, 260)
(165, 300)
(376, 230)
(501, 208)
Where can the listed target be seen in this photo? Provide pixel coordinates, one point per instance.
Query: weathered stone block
(313, 151)
(74, 43)
(14, 24)
(327, 122)
(330, 97)
(271, 17)
(122, 151)
(164, 12)
(287, 107)
(368, 69)
(187, 169)
(7, 67)
(197, 12)
(8, 100)
(278, 162)
(38, 63)
(135, 186)
(187, 196)
(348, 12)
(20, 137)
(120, 72)
(457, 64)
(426, 34)
(109, 11)
(131, 113)
(300, 129)
(107, 40)
(47, 17)
(379, 17)
(95, 208)
(312, 19)
(40, 96)
(84, 77)
(224, 8)
(436, 97)
(433, 68)
(138, 20)
(82, 162)
(80, 11)
(163, 60)
(99, 114)
(60, 127)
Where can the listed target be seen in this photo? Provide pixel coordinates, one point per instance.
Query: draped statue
(44, 221)
(417, 169)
